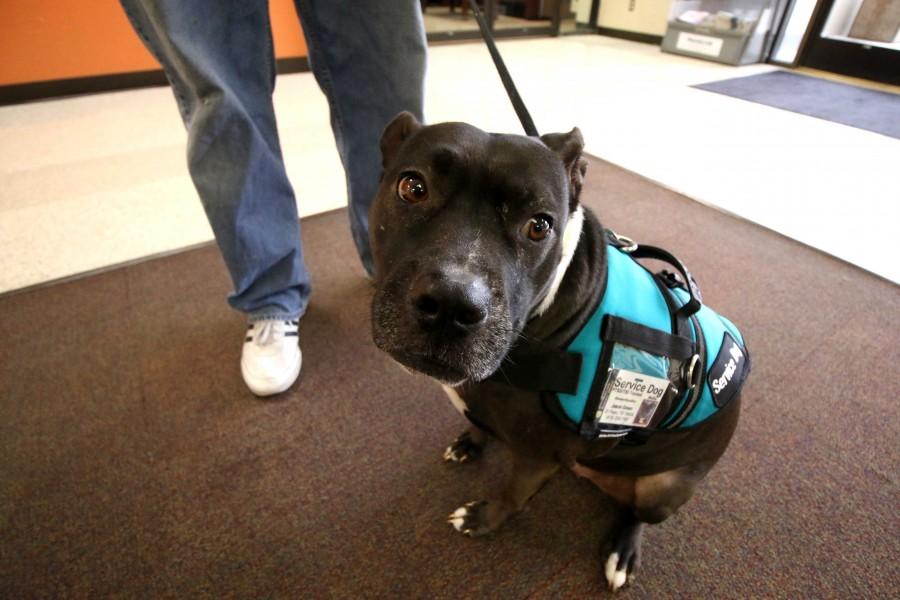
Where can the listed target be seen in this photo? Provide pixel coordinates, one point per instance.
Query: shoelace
(270, 331)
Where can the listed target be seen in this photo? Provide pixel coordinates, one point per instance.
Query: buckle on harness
(690, 373)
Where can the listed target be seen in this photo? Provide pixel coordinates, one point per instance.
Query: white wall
(640, 16)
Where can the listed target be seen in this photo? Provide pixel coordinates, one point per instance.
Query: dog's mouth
(433, 367)
(462, 367)
(450, 361)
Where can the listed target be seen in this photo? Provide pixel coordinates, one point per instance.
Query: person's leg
(218, 57)
(368, 57)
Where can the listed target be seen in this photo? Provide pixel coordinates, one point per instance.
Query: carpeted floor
(872, 110)
(134, 464)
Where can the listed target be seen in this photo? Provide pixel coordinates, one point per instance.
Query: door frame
(848, 58)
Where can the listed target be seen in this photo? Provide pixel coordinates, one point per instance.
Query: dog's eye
(538, 227)
(412, 189)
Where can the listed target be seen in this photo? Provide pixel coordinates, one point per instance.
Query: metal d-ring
(626, 243)
(688, 371)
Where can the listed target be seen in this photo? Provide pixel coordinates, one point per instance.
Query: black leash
(511, 91)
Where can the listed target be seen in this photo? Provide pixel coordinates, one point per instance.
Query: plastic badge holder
(636, 383)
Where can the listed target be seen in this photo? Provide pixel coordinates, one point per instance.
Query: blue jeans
(368, 57)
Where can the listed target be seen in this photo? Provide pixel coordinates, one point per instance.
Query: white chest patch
(569, 243)
(458, 403)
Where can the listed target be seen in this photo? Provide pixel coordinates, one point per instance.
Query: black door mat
(858, 107)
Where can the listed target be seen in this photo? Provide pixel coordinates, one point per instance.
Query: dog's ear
(569, 147)
(397, 131)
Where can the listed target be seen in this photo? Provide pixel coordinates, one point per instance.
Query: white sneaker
(271, 359)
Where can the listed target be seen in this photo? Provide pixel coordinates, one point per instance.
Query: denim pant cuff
(273, 314)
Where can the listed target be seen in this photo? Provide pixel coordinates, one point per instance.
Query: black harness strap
(679, 414)
(547, 370)
(518, 105)
(646, 338)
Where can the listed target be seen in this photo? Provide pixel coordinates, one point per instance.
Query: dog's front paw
(624, 558)
(475, 518)
(463, 449)
(618, 571)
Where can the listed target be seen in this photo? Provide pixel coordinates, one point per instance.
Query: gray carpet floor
(134, 463)
(872, 110)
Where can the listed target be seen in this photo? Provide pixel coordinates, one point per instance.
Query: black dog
(480, 246)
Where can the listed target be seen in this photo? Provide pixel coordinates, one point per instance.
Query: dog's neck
(576, 285)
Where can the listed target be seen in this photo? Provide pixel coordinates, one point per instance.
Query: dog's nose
(454, 298)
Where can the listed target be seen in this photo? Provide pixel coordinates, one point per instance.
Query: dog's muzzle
(446, 322)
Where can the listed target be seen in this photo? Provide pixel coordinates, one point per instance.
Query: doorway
(453, 20)
(860, 38)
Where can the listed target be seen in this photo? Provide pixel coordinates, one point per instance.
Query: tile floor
(95, 181)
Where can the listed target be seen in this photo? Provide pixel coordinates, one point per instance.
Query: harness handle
(511, 91)
(696, 300)
(635, 250)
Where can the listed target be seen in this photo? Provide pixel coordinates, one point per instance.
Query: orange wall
(43, 40)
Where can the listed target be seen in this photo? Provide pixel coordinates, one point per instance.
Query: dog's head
(471, 233)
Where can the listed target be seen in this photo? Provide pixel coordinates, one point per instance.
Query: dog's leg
(481, 517)
(625, 555)
(653, 499)
(467, 447)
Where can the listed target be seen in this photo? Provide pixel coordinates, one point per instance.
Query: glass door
(452, 19)
(860, 38)
(578, 16)
(526, 17)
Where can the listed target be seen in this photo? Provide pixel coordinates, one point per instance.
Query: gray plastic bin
(733, 32)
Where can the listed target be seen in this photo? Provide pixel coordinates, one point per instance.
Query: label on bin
(699, 44)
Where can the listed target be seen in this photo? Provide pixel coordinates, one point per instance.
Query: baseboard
(59, 88)
(475, 35)
(633, 36)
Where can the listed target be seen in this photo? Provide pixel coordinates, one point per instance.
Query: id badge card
(630, 398)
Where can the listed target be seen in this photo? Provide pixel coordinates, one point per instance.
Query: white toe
(458, 517)
(618, 580)
(451, 455)
(611, 563)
